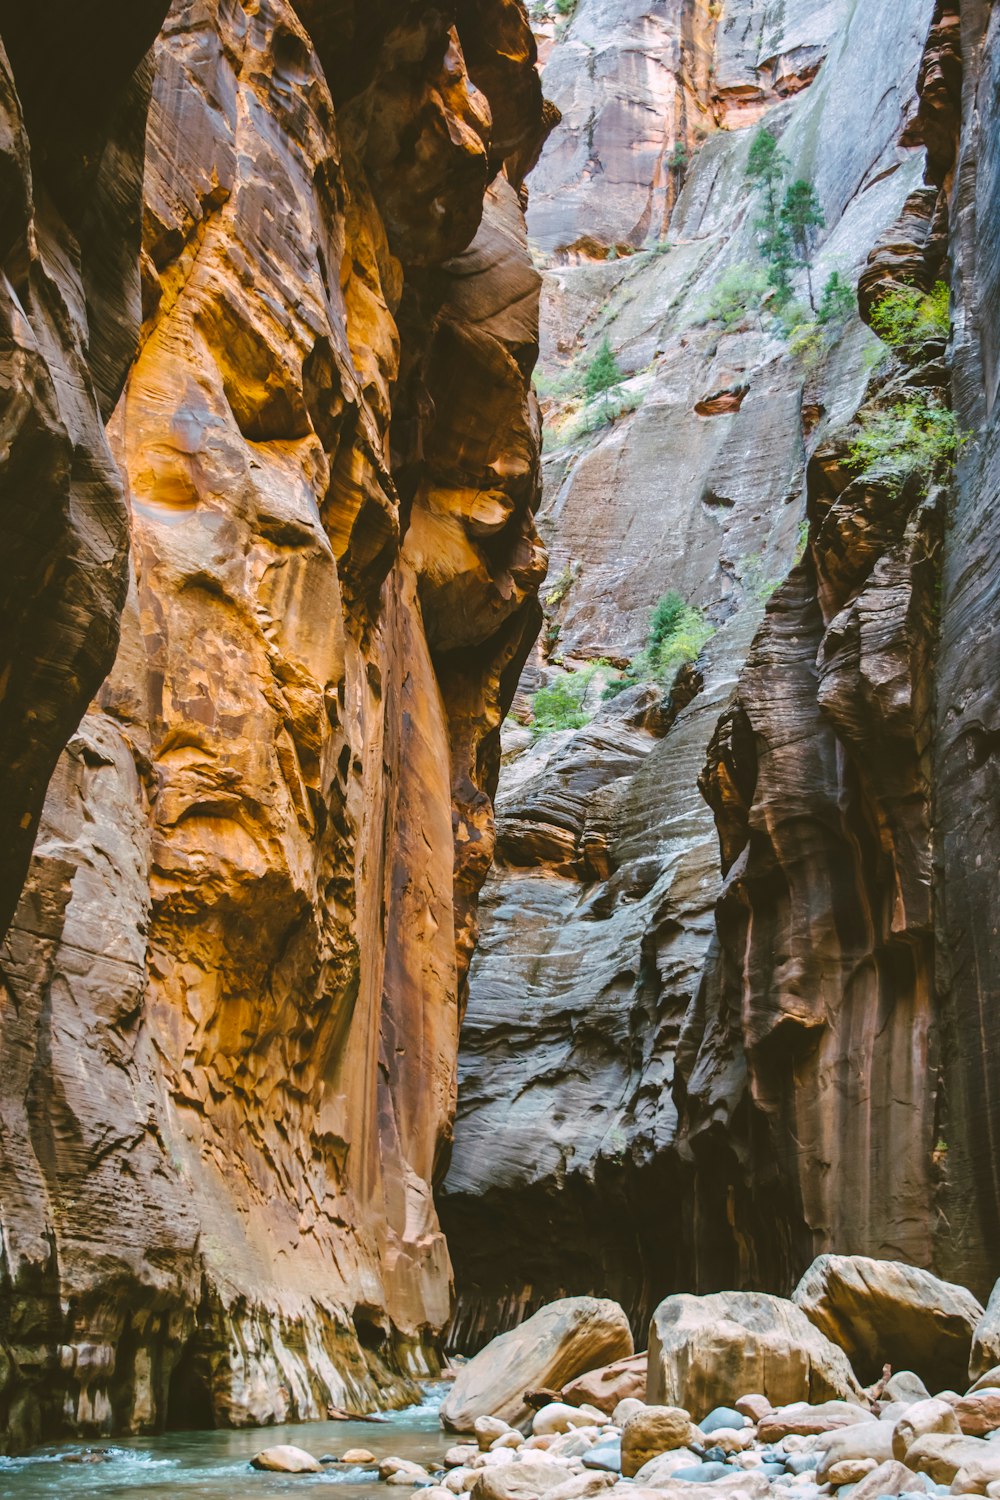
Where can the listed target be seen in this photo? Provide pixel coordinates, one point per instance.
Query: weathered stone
(561, 1341)
(985, 1353)
(882, 1311)
(357, 1456)
(256, 877)
(754, 1406)
(652, 1431)
(920, 1418)
(978, 1473)
(905, 1386)
(889, 1478)
(704, 1349)
(979, 1413)
(664, 1466)
(850, 1470)
(607, 1387)
(942, 1454)
(285, 1458)
(558, 1416)
(729, 1096)
(528, 1480)
(865, 1439)
(487, 1429)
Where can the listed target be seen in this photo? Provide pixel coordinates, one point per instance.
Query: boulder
(863, 1440)
(459, 1455)
(753, 1406)
(285, 1458)
(942, 1454)
(990, 1378)
(511, 1439)
(736, 1486)
(611, 1384)
(889, 1478)
(528, 1480)
(978, 1473)
(882, 1311)
(850, 1471)
(920, 1418)
(562, 1340)
(657, 1470)
(390, 1467)
(583, 1487)
(409, 1477)
(979, 1412)
(722, 1416)
(985, 1352)
(605, 1456)
(357, 1456)
(488, 1429)
(804, 1420)
(626, 1409)
(704, 1351)
(731, 1439)
(905, 1387)
(559, 1416)
(654, 1430)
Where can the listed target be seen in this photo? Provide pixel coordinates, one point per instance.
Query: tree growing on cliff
(838, 300)
(603, 374)
(766, 166)
(801, 214)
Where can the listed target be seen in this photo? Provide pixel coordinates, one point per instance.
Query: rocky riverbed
(739, 1394)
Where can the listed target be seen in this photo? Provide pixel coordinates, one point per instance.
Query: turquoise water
(215, 1465)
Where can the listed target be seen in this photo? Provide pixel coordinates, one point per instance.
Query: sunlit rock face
(712, 1028)
(73, 100)
(233, 983)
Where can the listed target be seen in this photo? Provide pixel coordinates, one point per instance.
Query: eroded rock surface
(74, 91)
(693, 1076)
(232, 987)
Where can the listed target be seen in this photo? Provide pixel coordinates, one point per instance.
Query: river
(216, 1465)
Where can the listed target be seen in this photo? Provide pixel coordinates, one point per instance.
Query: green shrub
(739, 291)
(807, 343)
(602, 373)
(837, 300)
(677, 634)
(906, 319)
(561, 705)
(915, 438)
(560, 588)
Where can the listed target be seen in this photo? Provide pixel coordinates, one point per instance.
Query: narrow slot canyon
(499, 719)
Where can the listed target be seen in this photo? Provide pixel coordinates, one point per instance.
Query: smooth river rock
(559, 1342)
(885, 1312)
(705, 1351)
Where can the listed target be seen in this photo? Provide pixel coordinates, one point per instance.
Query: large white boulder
(707, 1351)
(562, 1340)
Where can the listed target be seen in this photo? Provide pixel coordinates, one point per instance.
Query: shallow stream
(216, 1465)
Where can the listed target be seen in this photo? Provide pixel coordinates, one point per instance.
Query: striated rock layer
(232, 987)
(676, 1077)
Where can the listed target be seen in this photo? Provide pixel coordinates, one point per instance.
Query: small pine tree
(766, 166)
(801, 214)
(838, 300)
(603, 373)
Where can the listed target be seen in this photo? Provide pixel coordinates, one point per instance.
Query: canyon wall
(231, 988)
(733, 977)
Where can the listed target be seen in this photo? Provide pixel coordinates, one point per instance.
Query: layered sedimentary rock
(676, 1076)
(74, 90)
(967, 704)
(232, 986)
